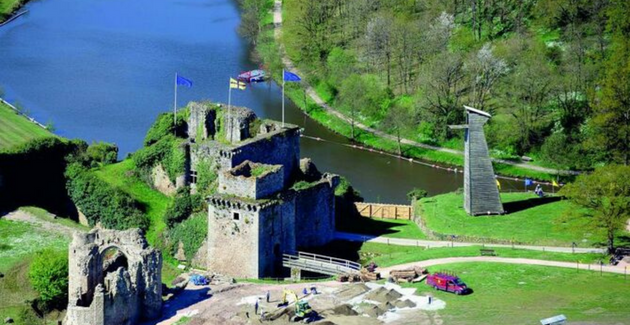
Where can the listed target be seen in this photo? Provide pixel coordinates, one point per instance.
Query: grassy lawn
(18, 242)
(388, 255)
(383, 227)
(524, 294)
(16, 129)
(121, 175)
(534, 221)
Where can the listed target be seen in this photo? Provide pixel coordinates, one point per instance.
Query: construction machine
(304, 312)
(288, 296)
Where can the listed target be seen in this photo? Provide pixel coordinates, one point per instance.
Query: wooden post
(370, 209)
(395, 212)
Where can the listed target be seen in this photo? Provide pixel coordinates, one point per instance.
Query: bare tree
(486, 69)
(379, 37)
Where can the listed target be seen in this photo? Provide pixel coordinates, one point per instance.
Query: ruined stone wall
(201, 122)
(237, 120)
(233, 244)
(277, 229)
(129, 294)
(239, 181)
(315, 213)
(276, 148)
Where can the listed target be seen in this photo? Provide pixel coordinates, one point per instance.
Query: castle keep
(268, 201)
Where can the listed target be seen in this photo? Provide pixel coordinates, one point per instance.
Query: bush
(103, 153)
(163, 127)
(100, 201)
(191, 232)
(167, 151)
(417, 194)
(48, 275)
(180, 209)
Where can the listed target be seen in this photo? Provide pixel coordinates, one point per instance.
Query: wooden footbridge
(319, 264)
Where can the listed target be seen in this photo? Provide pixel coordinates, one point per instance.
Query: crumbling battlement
(114, 278)
(252, 180)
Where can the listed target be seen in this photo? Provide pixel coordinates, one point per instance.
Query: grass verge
(524, 294)
(383, 227)
(389, 255)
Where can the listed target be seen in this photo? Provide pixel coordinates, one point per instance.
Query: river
(102, 71)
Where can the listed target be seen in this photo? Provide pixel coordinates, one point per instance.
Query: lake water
(102, 70)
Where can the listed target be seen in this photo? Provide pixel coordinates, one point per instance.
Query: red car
(447, 282)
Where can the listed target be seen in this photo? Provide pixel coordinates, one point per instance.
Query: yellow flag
(498, 184)
(237, 84)
(554, 184)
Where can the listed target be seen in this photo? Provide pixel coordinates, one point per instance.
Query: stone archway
(115, 278)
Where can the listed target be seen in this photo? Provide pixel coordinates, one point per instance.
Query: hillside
(552, 73)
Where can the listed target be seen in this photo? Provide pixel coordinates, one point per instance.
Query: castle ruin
(114, 278)
(268, 201)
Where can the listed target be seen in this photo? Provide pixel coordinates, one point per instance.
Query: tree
(361, 94)
(48, 275)
(416, 194)
(486, 69)
(252, 18)
(606, 195)
(396, 119)
(612, 111)
(442, 88)
(379, 37)
(526, 97)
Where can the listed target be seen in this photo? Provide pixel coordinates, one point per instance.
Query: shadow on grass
(337, 248)
(516, 206)
(366, 226)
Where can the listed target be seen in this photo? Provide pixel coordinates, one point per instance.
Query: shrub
(180, 209)
(167, 151)
(48, 275)
(100, 201)
(206, 176)
(103, 153)
(164, 127)
(416, 194)
(191, 232)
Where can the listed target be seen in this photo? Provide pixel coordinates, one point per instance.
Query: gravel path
(438, 243)
(524, 261)
(277, 21)
(23, 216)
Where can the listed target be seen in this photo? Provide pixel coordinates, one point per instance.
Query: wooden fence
(386, 211)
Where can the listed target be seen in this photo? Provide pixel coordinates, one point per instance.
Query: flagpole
(282, 97)
(175, 108)
(228, 111)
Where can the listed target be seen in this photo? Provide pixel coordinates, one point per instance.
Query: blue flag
(288, 76)
(181, 81)
(528, 182)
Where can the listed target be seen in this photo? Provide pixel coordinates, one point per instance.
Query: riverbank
(10, 7)
(271, 51)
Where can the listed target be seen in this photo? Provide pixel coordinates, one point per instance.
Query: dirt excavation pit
(351, 304)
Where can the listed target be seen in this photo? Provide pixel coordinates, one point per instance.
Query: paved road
(526, 261)
(310, 91)
(439, 243)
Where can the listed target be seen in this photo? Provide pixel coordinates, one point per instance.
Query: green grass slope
(16, 129)
(121, 175)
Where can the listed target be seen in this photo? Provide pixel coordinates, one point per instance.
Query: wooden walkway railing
(386, 211)
(319, 263)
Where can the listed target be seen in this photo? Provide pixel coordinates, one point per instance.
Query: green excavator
(304, 312)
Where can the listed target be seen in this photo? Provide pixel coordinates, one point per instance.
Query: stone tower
(481, 195)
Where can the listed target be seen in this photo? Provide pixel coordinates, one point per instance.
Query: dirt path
(23, 216)
(440, 243)
(523, 261)
(310, 91)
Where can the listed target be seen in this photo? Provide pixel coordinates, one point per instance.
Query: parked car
(447, 282)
